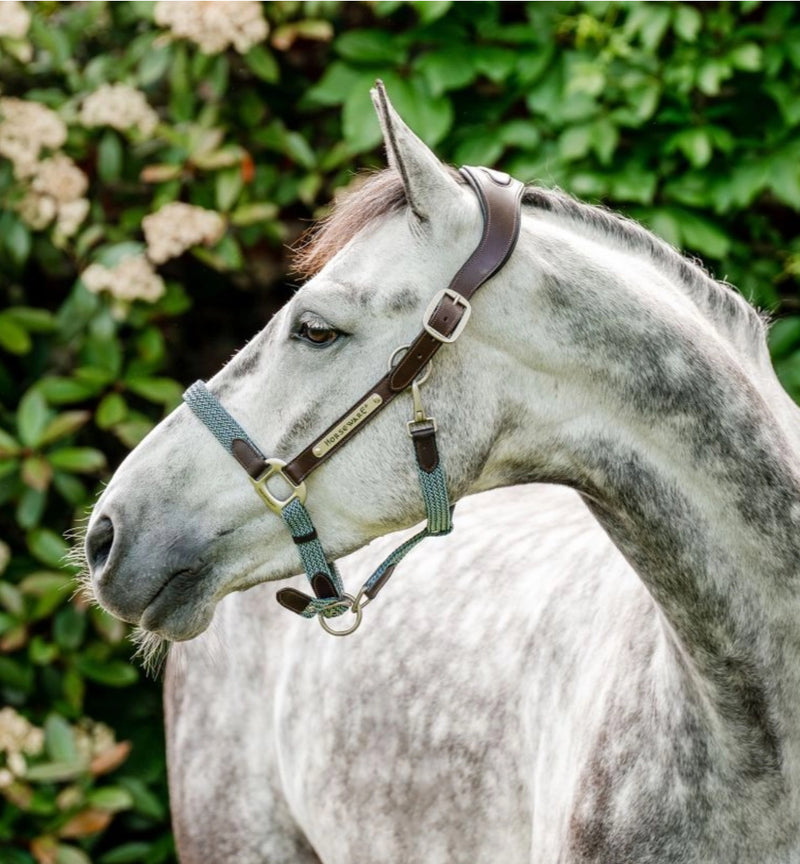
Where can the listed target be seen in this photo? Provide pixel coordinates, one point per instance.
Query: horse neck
(685, 449)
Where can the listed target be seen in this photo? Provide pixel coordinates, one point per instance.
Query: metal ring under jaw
(274, 503)
(349, 601)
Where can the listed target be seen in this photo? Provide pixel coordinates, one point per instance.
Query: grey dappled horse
(604, 673)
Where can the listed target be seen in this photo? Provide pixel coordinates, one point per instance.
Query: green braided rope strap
(439, 522)
(321, 573)
(206, 407)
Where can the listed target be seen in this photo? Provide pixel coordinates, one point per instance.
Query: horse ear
(425, 178)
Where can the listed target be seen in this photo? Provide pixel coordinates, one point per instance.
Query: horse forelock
(370, 197)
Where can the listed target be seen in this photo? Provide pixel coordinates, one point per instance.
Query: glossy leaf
(32, 417)
(77, 459)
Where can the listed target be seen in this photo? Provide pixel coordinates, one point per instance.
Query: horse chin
(178, 612)
(178, 625)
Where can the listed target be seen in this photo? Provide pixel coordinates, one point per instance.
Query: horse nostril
(99, 542)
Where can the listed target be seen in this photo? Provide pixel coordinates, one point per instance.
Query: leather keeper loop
(293, 600)
(372, 592)
(423, 436)
(323, 586)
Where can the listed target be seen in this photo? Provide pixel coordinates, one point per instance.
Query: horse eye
(317, 336)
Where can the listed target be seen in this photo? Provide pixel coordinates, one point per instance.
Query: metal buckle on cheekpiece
(459, 300)
(274, 503)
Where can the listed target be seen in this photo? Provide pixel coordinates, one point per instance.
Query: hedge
(156, 159)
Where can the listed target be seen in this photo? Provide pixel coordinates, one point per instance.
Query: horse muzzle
(158, 587)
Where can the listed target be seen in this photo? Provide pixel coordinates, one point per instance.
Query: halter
(409, 366)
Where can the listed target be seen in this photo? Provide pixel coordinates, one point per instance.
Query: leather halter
(443, 322)
(499, 196)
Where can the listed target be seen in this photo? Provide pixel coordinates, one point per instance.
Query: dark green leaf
(111, 673)
(144, 801)
(59, 739)
(262, 62)
(154, 65)
(66, 423)
(48, 547)
(71, 855)
(112, 798)
(109, 157)
(784, 336)
(32, 319)
(32, 417)
(431, 10)
(111, 410)
(128, 853)
(62, 391)
(162, 390)
(69, 628)
(336, 84)
(18, 241)
(13, 337)
(370, 46)
(30, 508)
(446, 69)
(79, 460)
(70, 488)
(228, 184)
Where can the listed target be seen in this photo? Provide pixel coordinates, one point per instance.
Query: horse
(600, 667)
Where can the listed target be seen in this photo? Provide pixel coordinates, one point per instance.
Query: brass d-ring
(426, 373)
(347, 600)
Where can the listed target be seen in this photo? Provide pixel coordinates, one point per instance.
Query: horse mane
(380, 193)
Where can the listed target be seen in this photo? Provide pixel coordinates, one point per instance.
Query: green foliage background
(682, 115)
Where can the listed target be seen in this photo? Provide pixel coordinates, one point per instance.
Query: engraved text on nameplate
(352, 421)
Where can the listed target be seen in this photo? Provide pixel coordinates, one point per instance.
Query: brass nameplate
(352, 421)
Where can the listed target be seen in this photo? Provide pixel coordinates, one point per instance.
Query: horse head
(592, 340)
(179, 527)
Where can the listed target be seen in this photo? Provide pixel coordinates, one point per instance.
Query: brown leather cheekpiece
(500, 200)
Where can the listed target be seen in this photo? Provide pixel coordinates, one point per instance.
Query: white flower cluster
(17, 737)
(176, 227)
(14, 19)
(56, 185)
(132, 279)
(93, 738)
(25, 128)
(120, 106)
(215, 24)
(56, 194)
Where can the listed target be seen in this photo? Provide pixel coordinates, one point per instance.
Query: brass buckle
(274, 503)
(459, 300)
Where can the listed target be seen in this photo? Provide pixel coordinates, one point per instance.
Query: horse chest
(426, 737)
